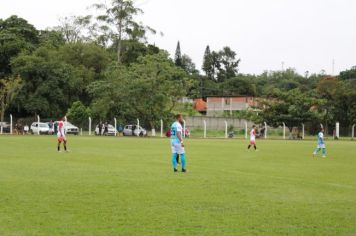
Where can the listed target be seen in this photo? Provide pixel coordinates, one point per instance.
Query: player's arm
(179, 135)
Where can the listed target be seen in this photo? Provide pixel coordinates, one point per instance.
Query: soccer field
(125, 186)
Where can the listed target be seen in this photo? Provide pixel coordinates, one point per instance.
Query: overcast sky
(304, 34)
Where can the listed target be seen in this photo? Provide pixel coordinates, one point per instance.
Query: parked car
(132, 130)
(111, 130)
(42, 128)
(69, 128)
(5, 127)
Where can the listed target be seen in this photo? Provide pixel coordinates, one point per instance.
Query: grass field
(125, 186)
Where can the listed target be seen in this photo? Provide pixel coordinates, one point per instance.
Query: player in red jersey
(253, 134)
(61, 136)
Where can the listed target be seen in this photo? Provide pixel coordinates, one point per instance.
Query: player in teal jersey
(177, 145)
(321, 144)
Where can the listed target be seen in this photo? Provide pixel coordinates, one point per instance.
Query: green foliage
(16, 36)
(78, 114)
(292, 107)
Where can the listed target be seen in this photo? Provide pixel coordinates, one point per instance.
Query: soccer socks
(174, 160)
(324, 152)
(249, 146)
(65, 146)
(58, 147)
(183, 160)
(255, 147)
(316, 151)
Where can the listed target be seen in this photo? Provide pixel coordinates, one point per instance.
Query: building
(218, 106)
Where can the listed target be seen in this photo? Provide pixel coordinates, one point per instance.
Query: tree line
(102, 66)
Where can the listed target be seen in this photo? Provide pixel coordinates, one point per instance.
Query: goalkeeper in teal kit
(177, 143)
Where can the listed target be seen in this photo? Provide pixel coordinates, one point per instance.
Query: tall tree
(178, 60)
(119, 19)
(16, 35)
(9, 88)
(208, 63)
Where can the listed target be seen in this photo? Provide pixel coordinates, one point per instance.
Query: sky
(307, 35)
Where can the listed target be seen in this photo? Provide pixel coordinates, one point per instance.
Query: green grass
(125, 186)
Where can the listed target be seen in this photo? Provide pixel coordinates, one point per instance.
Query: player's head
(322, 129)
(179, 118)
(253, 126)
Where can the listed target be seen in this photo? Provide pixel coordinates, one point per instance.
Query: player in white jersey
(253, 134)
(61, 136)
(177, 145)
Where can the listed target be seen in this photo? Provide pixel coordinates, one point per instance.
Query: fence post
(226, 135)
(183, 128)
(138, 128)
(246, 131)
(303, 131)
(81, 131)
(265, 130)
(38, 124)
(337, 131)
(353, 132)
(284, 130)
(115, 125)
(89, 126)
(204, 128)
(161, 128)
(11, 125)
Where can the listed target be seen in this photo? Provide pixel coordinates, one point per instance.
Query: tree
(78, 113)
(208, 64)
(348, 74)
(292, 107)
(118, 19)
(148, 89)
(9, 88)
(16, 35)
(220, 66)
(228, 64)
(178, 60)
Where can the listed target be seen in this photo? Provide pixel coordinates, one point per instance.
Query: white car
(111, 130)
(132, 130)
(69, 128)
(41, 128)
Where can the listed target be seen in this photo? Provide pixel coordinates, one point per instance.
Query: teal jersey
(321, 138)
(175, 129)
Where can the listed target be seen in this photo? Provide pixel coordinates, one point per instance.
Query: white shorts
(321, 146)
(61, 136)
(177, 148)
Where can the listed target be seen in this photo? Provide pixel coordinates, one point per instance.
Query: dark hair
(178, 116)
(253, 126)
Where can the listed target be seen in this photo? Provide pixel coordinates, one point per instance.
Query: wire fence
(194, 127)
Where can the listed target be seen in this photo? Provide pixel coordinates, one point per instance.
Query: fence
(210, 127)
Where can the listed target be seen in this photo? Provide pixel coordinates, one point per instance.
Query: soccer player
(61, 136)
(321, 144)
(177, 143)
(253, 134)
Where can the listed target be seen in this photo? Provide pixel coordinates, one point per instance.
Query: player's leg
(59, 145)
(324, 152)
(249, 146)
(317, 150)
(178, 159)
(174, 158)
(65, 144)
(183, 159)
(255, 146)
(174, 161)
